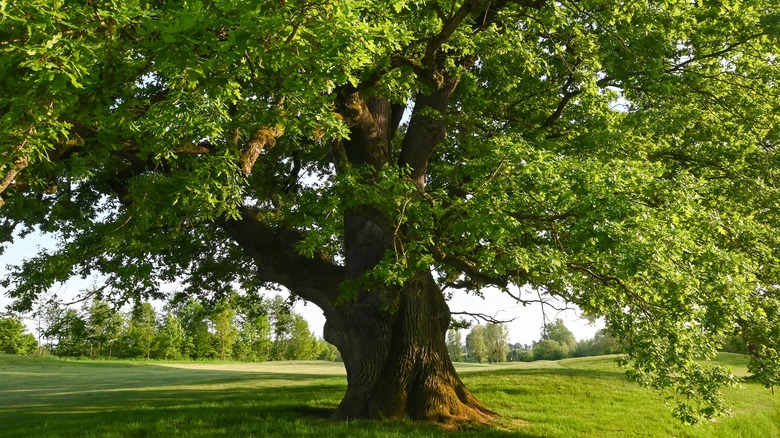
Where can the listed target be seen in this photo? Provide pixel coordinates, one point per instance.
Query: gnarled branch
(19, 165)
(277, 260)
(491, 319)
(260, 139)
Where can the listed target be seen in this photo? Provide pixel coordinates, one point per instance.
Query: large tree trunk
(391, 338)
(396, 357)
(392, 341)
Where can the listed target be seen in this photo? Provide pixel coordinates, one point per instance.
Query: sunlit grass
(574, 397)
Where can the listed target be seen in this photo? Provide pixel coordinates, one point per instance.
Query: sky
(524, 322)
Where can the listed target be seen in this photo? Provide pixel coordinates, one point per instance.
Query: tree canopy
(375, 157)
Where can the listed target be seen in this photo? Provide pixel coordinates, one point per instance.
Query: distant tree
(520, 353)
(13, 339)
(557, 331)
(514, 354)
(300, 343)
(49, 316)
(328, 351)
(475, 344)
(455, 344)
(70, 331)
(548, 349)
(497, 342)
(526, 355)
(556, 342)
(253, 342)
(281, 320)
(732, 343)
(601, 343)
(104, 326)
(225, 331)
(170, 338)
(142, 330)
(198, 342)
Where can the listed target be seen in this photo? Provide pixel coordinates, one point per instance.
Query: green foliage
(476, 345)
(455, 344)
(548, 349)
(497, 342)
(170, 338)
(104, 326)
(142, 330)
(558, 332)
(602, 343)
(13, 339)
(484, 343)
(619, 155)
(237, 328)
(69, 330)
(292, 339)
(225, 331)
(254, 338)
(328, 352)
(300, 344)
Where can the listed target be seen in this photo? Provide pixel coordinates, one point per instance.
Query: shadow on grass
(160, 413)
(147, 400)
(49, 388)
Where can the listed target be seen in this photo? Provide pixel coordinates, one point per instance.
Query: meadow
(49, 397)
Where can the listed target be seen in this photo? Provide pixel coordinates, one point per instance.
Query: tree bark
(396, 357)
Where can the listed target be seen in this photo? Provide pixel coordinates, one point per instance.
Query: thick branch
(9, 178)
(448, 28)
(608, 280)
(485, 317)
(371, 127)
(467, 268)
(542, 217)
(426, 130)
(483, 11)
(273, 250)
(260, 139)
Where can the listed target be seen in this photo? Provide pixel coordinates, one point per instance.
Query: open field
(48, 397)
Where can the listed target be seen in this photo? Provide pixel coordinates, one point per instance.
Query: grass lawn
(49, 397)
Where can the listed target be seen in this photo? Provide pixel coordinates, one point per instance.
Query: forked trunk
(396, 357)
(391, 338)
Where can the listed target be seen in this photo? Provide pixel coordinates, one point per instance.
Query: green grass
(49, 397)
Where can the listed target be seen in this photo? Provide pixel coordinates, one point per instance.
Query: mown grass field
(47, 397)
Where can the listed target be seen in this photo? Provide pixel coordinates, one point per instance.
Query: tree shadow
(96, 399)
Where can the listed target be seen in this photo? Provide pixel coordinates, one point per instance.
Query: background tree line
(490, 343)
(258, 330)
(235, 328)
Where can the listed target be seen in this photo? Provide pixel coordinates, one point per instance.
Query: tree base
(397, 362)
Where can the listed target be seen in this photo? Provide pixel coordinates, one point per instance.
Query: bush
(547, 349)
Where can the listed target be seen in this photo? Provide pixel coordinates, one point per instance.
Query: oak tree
(375, 157)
